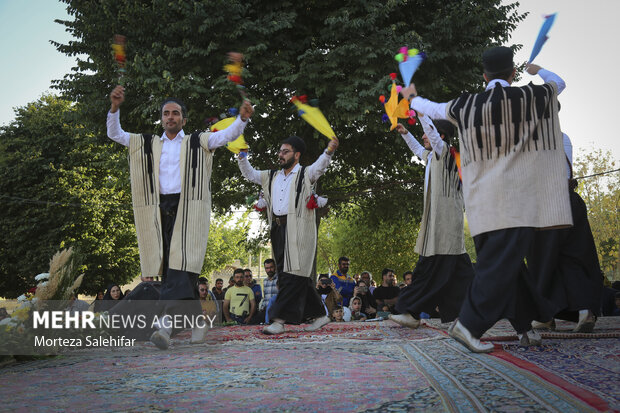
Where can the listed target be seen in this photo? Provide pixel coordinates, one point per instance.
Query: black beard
(288, 164)
(344, 271)
(239, 284)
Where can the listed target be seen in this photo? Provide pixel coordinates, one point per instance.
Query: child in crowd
(355, 307)
(338, 314)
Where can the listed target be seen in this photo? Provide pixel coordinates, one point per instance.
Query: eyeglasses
(284, 151)
(202, 290)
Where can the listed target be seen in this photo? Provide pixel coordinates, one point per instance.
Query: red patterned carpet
(374, 367)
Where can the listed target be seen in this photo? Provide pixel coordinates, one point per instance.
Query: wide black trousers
(278, 244)
(177, 285)
(438, 280)
(297, 300)
(503, 287)
(566, 265)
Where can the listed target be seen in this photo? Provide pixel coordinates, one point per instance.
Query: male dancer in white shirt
(170, 180)
(293, 232)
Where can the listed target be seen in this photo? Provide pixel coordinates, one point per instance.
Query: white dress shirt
(438, 110)
(437, 145)
(170, 161)
(281, 182)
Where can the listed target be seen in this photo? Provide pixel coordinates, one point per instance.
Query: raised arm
(247, 170)
(113, 123)
(431, 109)
(412, 143)
(221, 138)
(547, 76)
(319, 166)
(432, 134)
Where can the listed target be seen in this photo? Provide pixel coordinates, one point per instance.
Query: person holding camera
(329, 293)
(369, 305)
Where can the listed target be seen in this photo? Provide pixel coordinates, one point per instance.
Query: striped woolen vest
(301, 228)
(191, 228)
(441, 228)
(512, 158)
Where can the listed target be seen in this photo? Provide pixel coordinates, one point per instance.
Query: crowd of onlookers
(345, 297)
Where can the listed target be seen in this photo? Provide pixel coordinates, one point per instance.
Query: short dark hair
(247, 269)
(386, 271)
(296, 143)
(202, 281)
(323, 276)
(343, 259)
(269, 261)
(178, 102)
(238, 271)
(219, 279)
(408, 272)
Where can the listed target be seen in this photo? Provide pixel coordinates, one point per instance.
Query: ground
(373, 367)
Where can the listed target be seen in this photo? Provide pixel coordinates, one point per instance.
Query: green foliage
(227, 242)
(371, 247)
(340, 53)
(60, 188)
(602, 197)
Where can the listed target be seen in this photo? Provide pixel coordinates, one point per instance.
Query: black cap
(297, 143)
(497, 60)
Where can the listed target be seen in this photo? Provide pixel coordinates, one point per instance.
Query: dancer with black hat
(293, 232)
(514, 181)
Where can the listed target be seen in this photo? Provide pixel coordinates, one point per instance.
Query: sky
(580, 49)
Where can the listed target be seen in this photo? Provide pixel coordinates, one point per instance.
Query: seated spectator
(355, 307)
(270, 303)
(76, 305)
(337, 314)
(112, 296)
(369, 305)
(96, 304)
(208, 302)
(344, 282)
(239, 303)
(408, 277)
(249, 282)
(231, 282)
(218, 291)
(326, 288)
(270, 287)
(386, 295)
(366, 277)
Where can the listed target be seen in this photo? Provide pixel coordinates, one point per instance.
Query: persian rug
(358, 367)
